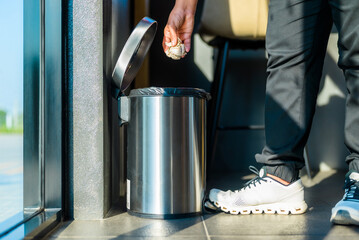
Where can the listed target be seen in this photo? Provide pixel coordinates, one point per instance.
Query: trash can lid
(133, 53)
(170, 92)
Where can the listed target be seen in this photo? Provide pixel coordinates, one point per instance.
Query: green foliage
(10, 131)
(18, 128)
(2, 118)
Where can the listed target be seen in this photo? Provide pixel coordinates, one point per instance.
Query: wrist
(187, 6)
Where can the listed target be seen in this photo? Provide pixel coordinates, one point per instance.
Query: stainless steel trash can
(166, 139)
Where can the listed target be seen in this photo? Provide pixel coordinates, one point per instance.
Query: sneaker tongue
(354, 176)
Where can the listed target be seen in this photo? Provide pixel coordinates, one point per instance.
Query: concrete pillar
(90, 176)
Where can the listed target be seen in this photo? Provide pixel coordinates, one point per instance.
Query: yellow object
(142, 77)
(235, 19)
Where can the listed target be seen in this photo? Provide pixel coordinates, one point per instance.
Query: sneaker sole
(343, 217)
(274, 208)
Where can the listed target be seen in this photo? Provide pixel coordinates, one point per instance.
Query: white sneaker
(346, 211)
(264, 194)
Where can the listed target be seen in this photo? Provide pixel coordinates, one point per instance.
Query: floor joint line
(205, 228)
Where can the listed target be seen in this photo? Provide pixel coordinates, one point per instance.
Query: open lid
(133, 53)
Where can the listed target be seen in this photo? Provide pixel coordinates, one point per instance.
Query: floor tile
(130, 238)
(124, 225)
(284, 237)
(321, 194)
(246, 237)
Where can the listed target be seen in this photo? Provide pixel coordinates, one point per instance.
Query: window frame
(43, 124)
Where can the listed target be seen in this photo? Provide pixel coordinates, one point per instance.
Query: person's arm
(180, 24)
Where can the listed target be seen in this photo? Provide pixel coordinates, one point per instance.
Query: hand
(180, 24)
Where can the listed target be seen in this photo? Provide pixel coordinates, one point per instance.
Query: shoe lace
(350, 187)
(254, 181)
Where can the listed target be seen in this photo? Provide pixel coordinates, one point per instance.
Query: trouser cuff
(354, 165)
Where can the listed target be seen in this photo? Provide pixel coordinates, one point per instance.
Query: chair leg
(217, 98)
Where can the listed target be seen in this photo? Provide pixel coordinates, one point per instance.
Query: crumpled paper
(176, 52)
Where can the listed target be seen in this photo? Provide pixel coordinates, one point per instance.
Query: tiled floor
(321, 194)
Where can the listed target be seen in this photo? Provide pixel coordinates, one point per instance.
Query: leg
(346, 19)
(297, 37)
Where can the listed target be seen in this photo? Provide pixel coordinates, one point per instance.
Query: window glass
(11, 111)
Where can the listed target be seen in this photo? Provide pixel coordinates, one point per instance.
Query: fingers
(187, 45)
(186, 40)
(169, 36)
(173, 35)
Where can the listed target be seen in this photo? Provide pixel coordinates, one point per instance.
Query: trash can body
(166, 155)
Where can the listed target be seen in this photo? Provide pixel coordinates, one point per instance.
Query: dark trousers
(296, 42)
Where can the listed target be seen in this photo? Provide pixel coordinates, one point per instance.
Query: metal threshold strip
(36, 225)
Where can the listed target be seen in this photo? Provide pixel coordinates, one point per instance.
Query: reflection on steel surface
(166, 154)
